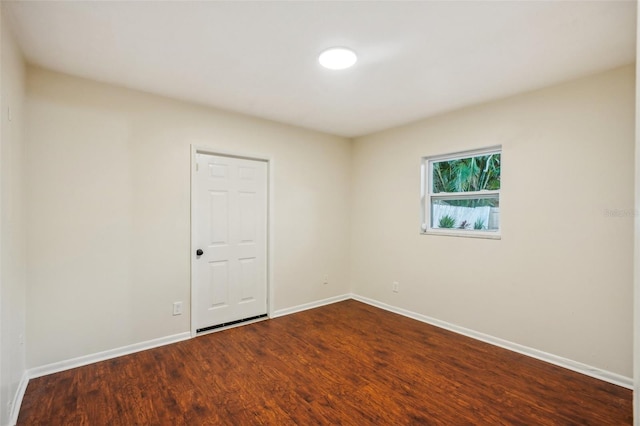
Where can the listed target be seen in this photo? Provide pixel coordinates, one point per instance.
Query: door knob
(199, 252)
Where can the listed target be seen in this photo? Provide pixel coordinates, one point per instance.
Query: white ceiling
(416, 59)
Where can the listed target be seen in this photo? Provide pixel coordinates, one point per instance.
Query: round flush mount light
(337, 58)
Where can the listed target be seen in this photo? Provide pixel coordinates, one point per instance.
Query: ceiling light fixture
(337, 58)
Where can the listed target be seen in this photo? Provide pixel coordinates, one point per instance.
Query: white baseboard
(17, 399)
(102, 356)
(576, 366)
(310, 305)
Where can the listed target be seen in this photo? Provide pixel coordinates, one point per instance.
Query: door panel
(230, 226)
(219, 214)
(218, 284)
(248, 216)
(247, 279)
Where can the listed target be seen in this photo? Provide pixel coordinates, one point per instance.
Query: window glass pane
(479, 214)
(477, 173)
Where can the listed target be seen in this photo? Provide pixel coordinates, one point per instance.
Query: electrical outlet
(395, 287)
(177, 308)
(326, 280)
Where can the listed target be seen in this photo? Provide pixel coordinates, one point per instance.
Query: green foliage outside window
(446, 222)
(468, 175)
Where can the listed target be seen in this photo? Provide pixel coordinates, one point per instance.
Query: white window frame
(427, 196)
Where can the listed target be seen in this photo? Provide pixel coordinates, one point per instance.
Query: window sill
(465, 234)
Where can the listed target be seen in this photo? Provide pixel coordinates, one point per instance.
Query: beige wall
(108, 203)
(12, 225)
(560, 279)
(108, 211)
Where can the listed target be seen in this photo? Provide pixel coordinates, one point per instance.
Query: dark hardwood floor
(346, 363)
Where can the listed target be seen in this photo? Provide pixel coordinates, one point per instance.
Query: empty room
(319, 212)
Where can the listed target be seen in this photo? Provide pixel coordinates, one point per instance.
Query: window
(461, 193)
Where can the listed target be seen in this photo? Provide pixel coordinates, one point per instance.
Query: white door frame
(199, 149)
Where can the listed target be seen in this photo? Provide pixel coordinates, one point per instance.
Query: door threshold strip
(226, 324)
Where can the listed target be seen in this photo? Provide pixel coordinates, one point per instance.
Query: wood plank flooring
(346, 363)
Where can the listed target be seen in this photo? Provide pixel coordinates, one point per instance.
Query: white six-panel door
(230, 228)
